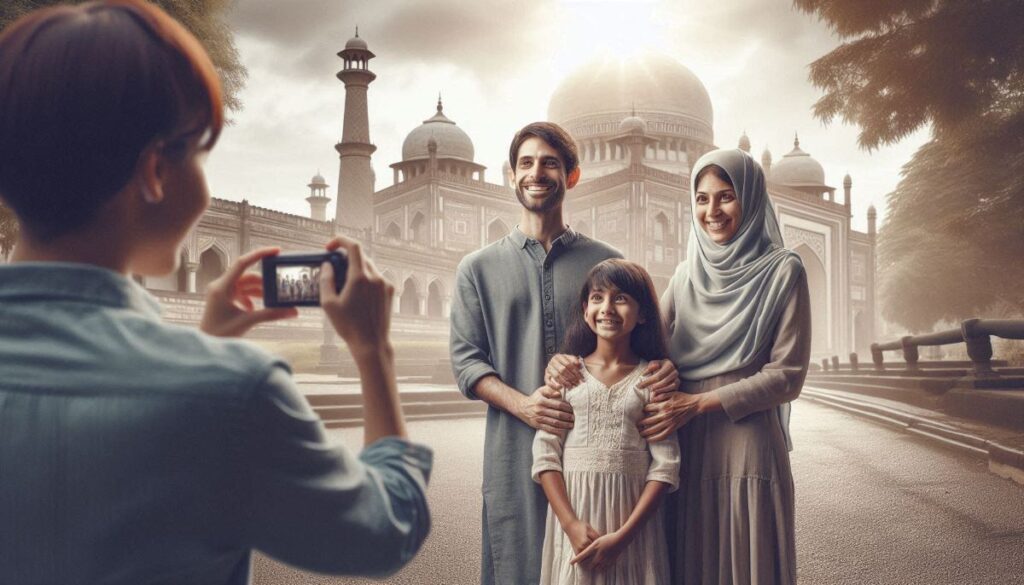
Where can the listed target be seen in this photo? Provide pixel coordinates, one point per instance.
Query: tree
(953, 238)
(203, 18)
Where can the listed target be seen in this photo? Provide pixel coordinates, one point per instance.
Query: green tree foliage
(953, 242)
(204, 18)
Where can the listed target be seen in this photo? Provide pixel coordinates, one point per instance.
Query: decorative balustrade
(975, 333)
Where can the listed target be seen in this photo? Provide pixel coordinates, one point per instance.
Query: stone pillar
(330, 355)
(446, 307)
(910, 354)
(979, 347)
(192, 268)
(877, 357)
(421, 302)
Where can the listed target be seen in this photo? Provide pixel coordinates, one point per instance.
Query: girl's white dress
(606, 464)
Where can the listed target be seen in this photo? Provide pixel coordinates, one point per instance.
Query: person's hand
(545, 410)
(580, 535)
(661, 419)
(361, 312)
(662, 378)
(564, 371)
(602, 552)
(229, 310)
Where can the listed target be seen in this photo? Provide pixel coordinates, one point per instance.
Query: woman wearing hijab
(738, 320)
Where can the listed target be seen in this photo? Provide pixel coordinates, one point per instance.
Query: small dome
(356, 42)
(450, 140)
(633, 123)
(871, 211)
(847, 181)
(798, 169)
(318, 179)
(766, 158)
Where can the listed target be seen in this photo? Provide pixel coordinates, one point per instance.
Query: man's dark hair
(554, 135)
(84, 90)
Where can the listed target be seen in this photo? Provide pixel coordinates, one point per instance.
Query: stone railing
(974, 333)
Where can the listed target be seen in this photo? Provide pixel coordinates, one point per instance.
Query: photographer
(131, 450)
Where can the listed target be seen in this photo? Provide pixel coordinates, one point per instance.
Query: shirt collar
(521, 240)
(63, 281)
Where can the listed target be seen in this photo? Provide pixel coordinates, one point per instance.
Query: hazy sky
(497, 64)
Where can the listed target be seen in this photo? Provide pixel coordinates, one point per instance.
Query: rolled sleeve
(470, 350)
(781, 379)
(547, 454)
(317, 506)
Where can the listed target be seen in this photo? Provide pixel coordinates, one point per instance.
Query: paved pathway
(873, 506)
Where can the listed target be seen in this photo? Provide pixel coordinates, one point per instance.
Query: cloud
(439, 32)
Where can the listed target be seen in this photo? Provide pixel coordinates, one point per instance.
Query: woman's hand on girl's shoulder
(229, 310)
(564, 371)
(660, 377)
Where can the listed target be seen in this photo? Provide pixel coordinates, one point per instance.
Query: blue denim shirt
(134, 451)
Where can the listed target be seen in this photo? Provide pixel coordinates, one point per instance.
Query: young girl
(602, 480)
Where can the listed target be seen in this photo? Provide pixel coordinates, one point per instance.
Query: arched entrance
(817, 284)
(393, 231)
(417, 229)
(496, 230)
(211, 266)
(410, 301)
(435, 301)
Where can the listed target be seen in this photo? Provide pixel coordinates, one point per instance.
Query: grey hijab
(728, 298)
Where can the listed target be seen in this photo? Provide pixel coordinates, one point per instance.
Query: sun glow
(609, 29)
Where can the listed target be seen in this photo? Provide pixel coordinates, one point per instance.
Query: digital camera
(293, 280)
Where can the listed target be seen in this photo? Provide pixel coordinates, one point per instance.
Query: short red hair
(83, 91)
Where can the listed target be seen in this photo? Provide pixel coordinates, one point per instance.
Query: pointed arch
(817, 284)
(213, 261)
(418, 228)
(410, 300)
(435, 300)
(496, 230)
(393, 231)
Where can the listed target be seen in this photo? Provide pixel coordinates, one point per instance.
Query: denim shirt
(134, 451)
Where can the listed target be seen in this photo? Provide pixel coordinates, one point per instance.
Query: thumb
(327, 291)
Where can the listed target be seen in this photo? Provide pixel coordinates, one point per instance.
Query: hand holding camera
(361, 311)
(229, 310)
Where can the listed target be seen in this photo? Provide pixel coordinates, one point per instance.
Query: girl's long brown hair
(648, 338)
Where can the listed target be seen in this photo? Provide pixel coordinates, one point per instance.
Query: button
(550, 323)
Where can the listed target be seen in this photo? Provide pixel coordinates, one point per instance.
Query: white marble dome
(798, 169)
(648, 84)
(451, 141)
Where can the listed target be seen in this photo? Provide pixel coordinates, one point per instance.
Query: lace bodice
(605, 437)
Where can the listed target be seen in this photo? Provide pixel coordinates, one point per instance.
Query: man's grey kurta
(512, 305)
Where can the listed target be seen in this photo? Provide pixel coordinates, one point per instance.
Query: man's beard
(553, 199)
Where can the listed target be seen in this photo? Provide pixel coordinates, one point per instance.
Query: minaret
(872, 218)
(766, 161)
(847, 185)
(318, 198)
(355, 177)
(744, 144)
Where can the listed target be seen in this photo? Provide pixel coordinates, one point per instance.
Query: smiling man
(513, 300)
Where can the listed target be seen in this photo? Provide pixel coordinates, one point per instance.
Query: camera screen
(298, 283)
